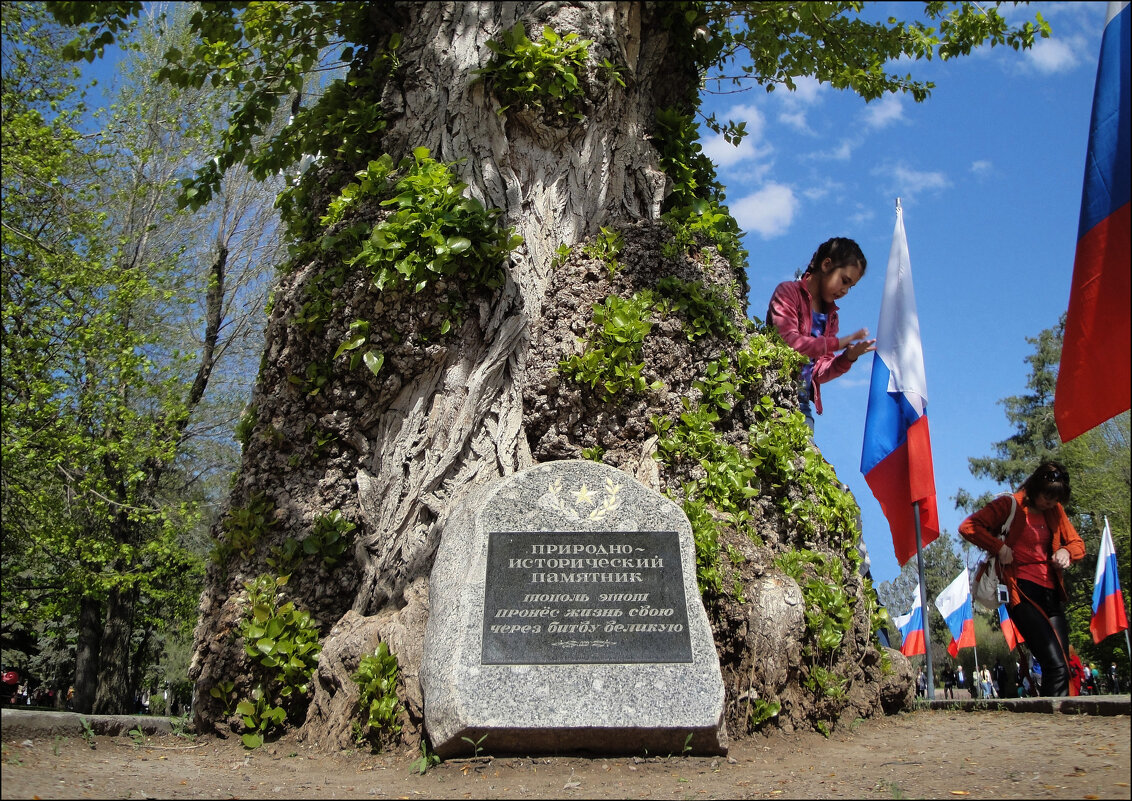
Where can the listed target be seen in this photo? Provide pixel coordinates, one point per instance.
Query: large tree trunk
(86, 654)
(115, 691)
(447, 412)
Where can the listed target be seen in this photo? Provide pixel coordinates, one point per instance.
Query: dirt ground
(925, 754)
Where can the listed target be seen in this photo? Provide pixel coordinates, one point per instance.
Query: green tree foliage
(113, 310)
(266, 56)
(941, 565)
(269, 51)
(1099, 465)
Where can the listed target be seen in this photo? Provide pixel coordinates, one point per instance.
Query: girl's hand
(1006, 555)
(845, 342)
(1061, 558)
(857, 349)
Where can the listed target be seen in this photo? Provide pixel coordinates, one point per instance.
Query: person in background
(1040, 544)
(1076, 671)
(1113, 679)
(948, 681)
(805, 314)
(998, 678)
(985, 682)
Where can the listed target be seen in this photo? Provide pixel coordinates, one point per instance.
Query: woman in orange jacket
(1039, 545)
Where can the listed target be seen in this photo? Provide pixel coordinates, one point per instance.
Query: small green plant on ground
(137, 735)
(376, 678)
(283, 640)
(224, 691)
(260, 718)
(281, 637)
(88, 732)
(593, 454)
(180, 725)
(760, 711)
(475, 744)
(426, 760)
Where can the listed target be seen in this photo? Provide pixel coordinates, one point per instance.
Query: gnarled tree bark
(446, 413)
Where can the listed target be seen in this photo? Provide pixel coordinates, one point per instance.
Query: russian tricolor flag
(897, 454)
(954, 603)
(1009, 629)
(911, 628)
(1093, 382)
(1108, 601)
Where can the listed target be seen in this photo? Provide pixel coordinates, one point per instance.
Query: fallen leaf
(571, 785)
(959, 792)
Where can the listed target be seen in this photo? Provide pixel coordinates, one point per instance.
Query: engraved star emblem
(583, 495)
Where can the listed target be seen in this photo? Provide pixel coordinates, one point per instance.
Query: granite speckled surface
(603, 540)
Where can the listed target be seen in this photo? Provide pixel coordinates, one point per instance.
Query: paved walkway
(38, 723)
(1077, 705)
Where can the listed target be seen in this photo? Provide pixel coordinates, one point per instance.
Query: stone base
(671, 705)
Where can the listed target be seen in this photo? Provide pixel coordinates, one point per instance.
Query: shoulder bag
(985, 589)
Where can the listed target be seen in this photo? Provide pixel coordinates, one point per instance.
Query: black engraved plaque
(603, 597)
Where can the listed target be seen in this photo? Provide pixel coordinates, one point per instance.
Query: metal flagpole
(1127, 641)
(924, 599)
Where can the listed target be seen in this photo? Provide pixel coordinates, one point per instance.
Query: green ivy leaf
(374, 360)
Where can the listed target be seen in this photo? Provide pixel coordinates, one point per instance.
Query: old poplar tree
(507, 249)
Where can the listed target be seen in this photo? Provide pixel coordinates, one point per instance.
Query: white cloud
(807, 93)
(807, 90)
(751, 146)
(725, 154)
(883, 112)
(905, 182)
(1052, 55)
(823, 191)
(841, 152)
(768, 212)
(756, 121)
(861, 216)
(981, 167)
(796, 120)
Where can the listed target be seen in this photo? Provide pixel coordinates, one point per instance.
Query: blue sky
(989, 171)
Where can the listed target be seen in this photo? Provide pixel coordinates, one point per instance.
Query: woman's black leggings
(1040, 617)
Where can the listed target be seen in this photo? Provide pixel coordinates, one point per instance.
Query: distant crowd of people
(26, 692)
(994, 682)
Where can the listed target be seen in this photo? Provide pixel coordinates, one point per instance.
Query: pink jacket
(791, 312)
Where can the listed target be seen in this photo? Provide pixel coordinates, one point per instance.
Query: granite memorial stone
(564, 617)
